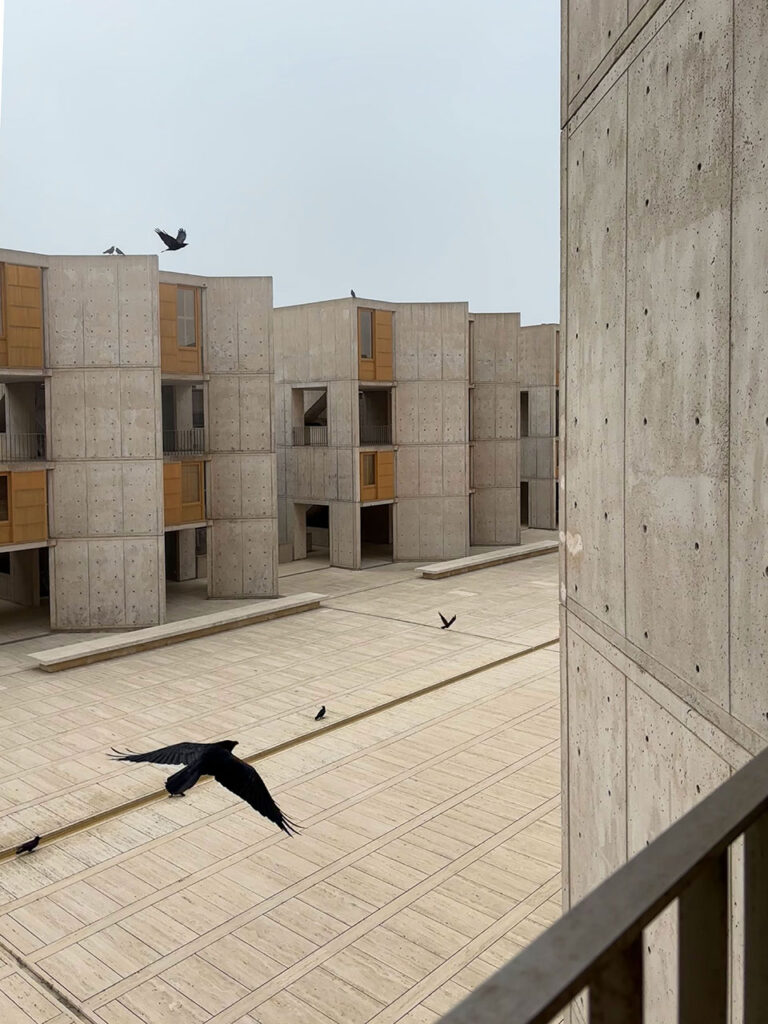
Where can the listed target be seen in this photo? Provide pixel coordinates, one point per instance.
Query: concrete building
(539, 373)
(136, 436)
(397, 428)
(664, 487)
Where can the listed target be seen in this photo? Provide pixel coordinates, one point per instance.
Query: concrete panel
(597, 782)
(507, 401)
(68, 495)
(104, 481)
(347, 476)
(537, 354)
(430, 470)
(506, 471)
(102, 414)
(407, 468)
(70, 595)
(455, 335)
(507, 515)
(484, 463)
(407, 413)
(223, 414)
(344, 519)
(545, 468)
(260, 558)
(258, 476)
(541, 412)
(139, 401)
(749, 373)
(144, 568)
(431, 541)
(256, 414)
(101, 330)
(678, 353)
(225, 576)
(106, 583)
(430, 413)
(527, 458)
(406, 523)
(594, 25)
(142, 497)
(64, 307)
(226, 499)
(455, 514)
(137, 306)
(671, 763)
(541, 497)
(483, 400)
(455, 412)
(595, 369)
(343, 415)
(454, 460)
(67, 418)
(254, 325)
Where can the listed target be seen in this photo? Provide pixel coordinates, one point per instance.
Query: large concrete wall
(664, 415)
(237, 357)
(431, 430)
(106, 492)
(495, 438)
(538, 375)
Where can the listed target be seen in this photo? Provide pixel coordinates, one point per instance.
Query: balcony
(599, 944)
(374, 433)
(22, 447)
(316, 436)
(184, 442)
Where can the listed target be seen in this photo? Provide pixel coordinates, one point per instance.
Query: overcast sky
(404, 148)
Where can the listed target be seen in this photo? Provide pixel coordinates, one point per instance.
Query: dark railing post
(756, 922)
(616, 994)
(703, 945)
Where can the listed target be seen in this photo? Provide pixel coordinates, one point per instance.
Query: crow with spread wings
(214, 759)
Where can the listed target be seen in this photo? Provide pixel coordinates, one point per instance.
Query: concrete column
(106, 491)
(298, 515)
(344, 528)
(243, 542)
(187, 556)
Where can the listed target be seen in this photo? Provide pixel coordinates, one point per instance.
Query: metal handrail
(184, 442)
(314, 434)
(375, 433)
(599, 943)
(22, 447)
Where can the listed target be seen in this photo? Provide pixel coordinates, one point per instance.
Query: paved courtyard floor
(428, 800)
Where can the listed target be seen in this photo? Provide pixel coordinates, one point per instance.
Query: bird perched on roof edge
(214, 759)
(352, 293)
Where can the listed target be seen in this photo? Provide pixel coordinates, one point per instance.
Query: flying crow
(109, 251)
(320, 714)
(446, 622)
(352, 293)
(215, 759)
(29, 846)
(173, 243)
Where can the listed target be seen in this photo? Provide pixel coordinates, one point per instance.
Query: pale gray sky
(404, 148)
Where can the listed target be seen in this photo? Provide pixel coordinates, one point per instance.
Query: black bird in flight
(320, 714)
(29, 846)
(446, 622)
(214, 759)
(173, 243)
(352, 293)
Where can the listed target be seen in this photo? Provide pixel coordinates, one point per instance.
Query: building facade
(398, 428)
(136, 437)
(664, 487)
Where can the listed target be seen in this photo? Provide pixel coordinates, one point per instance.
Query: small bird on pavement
(29, 846)
(352, 293)
(214, 759)
(320, 714)
(172, 243)
(446, 622)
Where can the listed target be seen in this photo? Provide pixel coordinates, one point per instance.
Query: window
(5, 563)
(185, 317)
(198, 413)
(190, 483)
(365, 332)
(557, 412)
(523, 414)
(4, 508)
(369, 470)
(3, 426)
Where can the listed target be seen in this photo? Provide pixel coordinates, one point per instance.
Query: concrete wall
(495, 438)
(665, 477)
(237, 357)
(106, 491)
(538, 370)
(431, 431)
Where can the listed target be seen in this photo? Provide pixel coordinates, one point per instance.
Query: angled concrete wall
(107, 568)
(494, 437)
(538, 366)
(664, 485)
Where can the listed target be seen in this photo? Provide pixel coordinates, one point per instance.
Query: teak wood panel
(27, 508)
(175, 358)
(21, 325)
(380, 366)
(383, 486)
(177, 511)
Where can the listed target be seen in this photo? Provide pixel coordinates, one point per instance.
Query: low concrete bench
(116, 645)
(438, 570)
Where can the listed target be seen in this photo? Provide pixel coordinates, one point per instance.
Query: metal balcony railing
(598, 945)
(373, 433)
(21, 447)
(316, 435)
(184, 442)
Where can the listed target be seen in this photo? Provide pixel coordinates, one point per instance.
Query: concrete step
(439, 570)
(116, 645)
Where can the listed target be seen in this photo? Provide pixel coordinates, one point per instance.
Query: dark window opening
(4, 506)
(365, 330)
(198, 409)
(523, 414)
(524, 509)
(5, 563)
